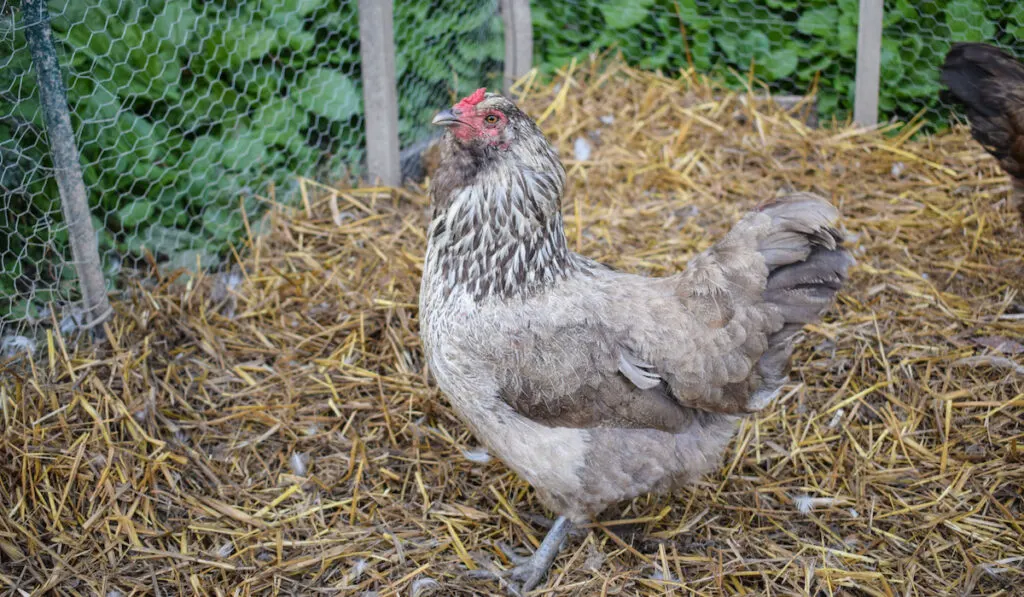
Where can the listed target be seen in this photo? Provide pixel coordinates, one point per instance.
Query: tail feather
(804, 290)
(807, 263)
(974, 74)
(989, 84)
(807, 266)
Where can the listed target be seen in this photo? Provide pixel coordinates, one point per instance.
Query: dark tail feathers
(807, 265)
(807, 262)
(989, 84)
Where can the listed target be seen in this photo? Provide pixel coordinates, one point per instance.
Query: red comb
(471, 100)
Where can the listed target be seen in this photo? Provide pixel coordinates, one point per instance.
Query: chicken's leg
(530, 570)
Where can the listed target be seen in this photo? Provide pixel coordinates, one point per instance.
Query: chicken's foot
(529, 571)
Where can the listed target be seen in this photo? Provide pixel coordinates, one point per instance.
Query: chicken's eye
(491, 119)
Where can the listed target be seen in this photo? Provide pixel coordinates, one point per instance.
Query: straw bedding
(272, 430)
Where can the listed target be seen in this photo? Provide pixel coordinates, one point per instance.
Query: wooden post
(380, 93)
(66, 162)
(869, 61)
(518, 40)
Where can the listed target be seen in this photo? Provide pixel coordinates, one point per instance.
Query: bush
(186, 110)
(789, 41)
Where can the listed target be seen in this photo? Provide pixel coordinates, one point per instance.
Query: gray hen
(595, 385)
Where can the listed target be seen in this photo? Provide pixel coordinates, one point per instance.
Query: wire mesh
(790, 46)
(917, 37)
(188, 113)
(34, 256)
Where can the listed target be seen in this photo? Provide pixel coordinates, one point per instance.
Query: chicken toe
(529, 571)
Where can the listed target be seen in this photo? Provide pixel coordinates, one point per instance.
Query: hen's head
(486, 122)
(496, 227)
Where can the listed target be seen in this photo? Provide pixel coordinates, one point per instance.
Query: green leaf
(900, 11)
(782, 63)
(690, 12)
(291, 32)
(701, 48)
(135, 213)
(828, 101)
(891, 62)
(209, 100)
(753, 46)
(849, 15)
(278, 121)
(624, 14)
(493, 47)
(258, 80)
(328, 93)
(222, 223)
(297, 7)
(469, 19)
(822, 22)
(257, 42)
(966, 21)
(1015, 23)
(244, 151)
(161, 240)
(175, 23)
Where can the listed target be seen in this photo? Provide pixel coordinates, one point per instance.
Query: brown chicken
(989, 84)
(596, 385)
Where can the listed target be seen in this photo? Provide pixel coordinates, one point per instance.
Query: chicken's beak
(446, 118)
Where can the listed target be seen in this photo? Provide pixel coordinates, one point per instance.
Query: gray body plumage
(592, 384)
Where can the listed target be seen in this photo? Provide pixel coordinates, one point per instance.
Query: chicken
(595, 385)
(989, 84)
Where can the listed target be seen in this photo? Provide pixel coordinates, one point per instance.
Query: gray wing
(580, 376)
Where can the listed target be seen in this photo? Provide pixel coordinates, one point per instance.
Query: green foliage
(186, 109)
(789, 42)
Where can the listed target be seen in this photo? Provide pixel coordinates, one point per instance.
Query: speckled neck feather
(497, 229)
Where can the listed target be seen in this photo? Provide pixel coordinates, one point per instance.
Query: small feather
(299, 463)
(836, 418)
(805, 503)
(358, 568)
(633, 369)
(226, 549)
(477, 455)
(581, 149)
(12, 345)
(421, 587)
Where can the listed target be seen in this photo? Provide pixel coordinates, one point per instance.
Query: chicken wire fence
(190, 116)
(790, 46)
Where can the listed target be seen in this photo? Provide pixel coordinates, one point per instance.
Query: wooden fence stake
(380, 94)
(518, 40)
(869, 60)
(66, 163)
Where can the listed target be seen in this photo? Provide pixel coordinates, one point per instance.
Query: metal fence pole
(66, 162)
(380, 94)
(518, 40)
(869, 60)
